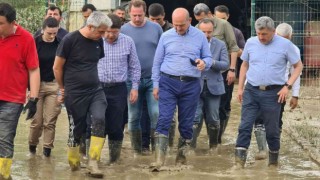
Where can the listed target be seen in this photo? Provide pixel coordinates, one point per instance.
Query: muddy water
(294, 162)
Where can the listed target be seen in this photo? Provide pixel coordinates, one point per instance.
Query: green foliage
(31, 17)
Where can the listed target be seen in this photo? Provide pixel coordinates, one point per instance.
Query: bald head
(181, 20)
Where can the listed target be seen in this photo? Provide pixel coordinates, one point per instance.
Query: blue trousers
(9, 117)
(256, 101)
(185, 95)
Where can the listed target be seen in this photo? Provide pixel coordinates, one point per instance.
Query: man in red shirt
(18, 61)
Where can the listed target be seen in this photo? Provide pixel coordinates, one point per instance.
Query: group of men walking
(150, 67)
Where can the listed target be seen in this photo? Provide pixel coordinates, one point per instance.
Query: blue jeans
(135, 109)
(9, 117)
(209, 105)
(174, 92)
(256, 101)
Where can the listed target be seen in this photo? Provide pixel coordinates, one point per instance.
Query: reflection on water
(294, 162)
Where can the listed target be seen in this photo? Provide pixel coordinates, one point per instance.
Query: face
(112, 34)
(181, 24)
(55, 14)
(137, 15)
(221, 15)
(86, 14)
(120, 14)
(157, 19)
(207, 29)
(265, 35)
(49, 34)
(97, 32)
(201, 16)
(6, 28)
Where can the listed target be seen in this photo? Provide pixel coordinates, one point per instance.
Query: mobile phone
(193, 62)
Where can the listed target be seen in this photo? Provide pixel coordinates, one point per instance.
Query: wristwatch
(33, 99)
(288, 86)
(232, 69)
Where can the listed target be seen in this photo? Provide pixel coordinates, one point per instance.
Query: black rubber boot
(32, 149)
(260, 134)
(240, 156)
(161, 144)
(196, 131)
(273, 158)
(183, 148)
(114, 151)
(223, 126)
(46, 152)
(213, 132)
(136, 141)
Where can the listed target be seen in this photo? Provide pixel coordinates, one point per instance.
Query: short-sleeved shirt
(18, 54)
(80, 69)
(46, 52)
(239, 37)
(268, 63)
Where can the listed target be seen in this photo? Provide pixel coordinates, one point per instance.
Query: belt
(108, 85)
(266, 88)
(180, 78)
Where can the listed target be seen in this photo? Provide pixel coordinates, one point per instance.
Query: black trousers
(80, 106)
(116, 97)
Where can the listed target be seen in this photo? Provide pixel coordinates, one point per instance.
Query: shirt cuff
(155, 84)
(135, 86)
(295, 93)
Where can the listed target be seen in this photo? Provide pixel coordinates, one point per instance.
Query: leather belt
(180, 78)
(108, 85)
(266, 88)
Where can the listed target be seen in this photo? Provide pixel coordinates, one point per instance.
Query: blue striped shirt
(120, 62)
(174, 52)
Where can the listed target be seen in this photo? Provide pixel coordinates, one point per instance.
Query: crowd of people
(149, 74)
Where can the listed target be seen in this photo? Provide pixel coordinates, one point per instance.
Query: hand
(283, 94)
(240, 95)
(31, 106)
(60, 97)
(156, 93)
(231, 77)
(133, 96)
(200, 64)
(293, 102)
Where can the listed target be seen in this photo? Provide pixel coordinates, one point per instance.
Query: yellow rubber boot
(5, 168)
(74, 158)
(96, 146)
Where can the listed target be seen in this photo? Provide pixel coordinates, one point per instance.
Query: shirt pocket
(276, 57)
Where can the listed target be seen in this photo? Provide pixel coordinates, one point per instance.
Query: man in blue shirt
(181, 55)
(145, 35)
(120, 63)
(264, 64)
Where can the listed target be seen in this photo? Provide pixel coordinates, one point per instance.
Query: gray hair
(200, 8)
(97, 19)
(284, 30)
(264, 22)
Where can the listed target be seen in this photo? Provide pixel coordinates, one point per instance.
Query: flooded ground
(294, 161)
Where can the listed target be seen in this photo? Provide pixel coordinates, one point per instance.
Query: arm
(242, 77)
(134, 73)
(223, 62)
(158, 59)
(34, 78)
(58, 74)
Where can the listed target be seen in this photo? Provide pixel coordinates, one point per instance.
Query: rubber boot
(5, 168)
(172, 132)
(152, 131)
(223, 126)
(213, 132)
(196, 131)
(74, 158)
(136, 141)
(96, 145)
(273, 158)
(87, 148)
(183, 148)
(161, 144)
(32, 149)
(240, 156)
(260, 134)
(114, 151)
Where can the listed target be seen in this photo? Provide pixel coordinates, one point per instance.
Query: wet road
(294, 162)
